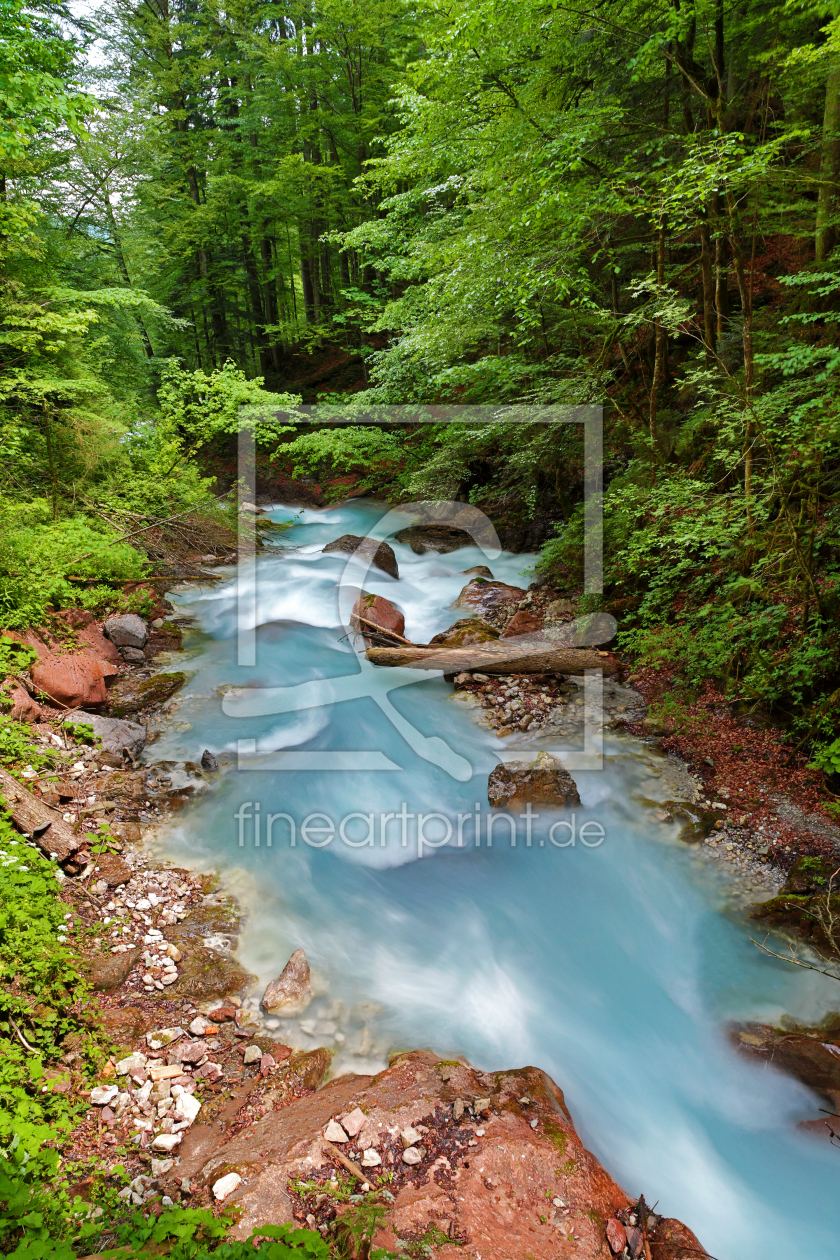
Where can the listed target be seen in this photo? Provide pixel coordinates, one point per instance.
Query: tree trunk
(660, 344)
(827, 199)
(707, 271)
(507, 658)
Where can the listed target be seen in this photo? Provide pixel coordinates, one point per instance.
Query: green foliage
(827, 757)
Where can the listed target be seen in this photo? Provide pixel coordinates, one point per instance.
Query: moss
(557, 1136)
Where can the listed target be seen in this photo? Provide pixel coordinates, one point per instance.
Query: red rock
(674, 1241)
(222, 1014)
(379, 610)
(24, 708)
(635, 1242)
(76, 617)
(493, 1198)
(97, 645)
(522, 622)
(76, 680)
(616, 1236)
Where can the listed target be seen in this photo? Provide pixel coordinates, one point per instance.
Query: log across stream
(613, 965)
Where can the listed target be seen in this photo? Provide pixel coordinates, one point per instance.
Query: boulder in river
(484, 596)
(117, 734)
(127, 630)
(480, 570)
(541, 782)
(439, 538)
(465, 631)
(808, 903)
(380, 611)
(379, 553)
(811, 1055)
(291, 992)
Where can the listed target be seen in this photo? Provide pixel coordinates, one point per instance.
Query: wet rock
(674, 1241)
(811, 1055)
(542, 782)
(310, 1066)
(113, 870)
(465, 631)
(208, 761)
(696, 823)
(523, 622)
(109, 971)
(131, 694)
(379, 610)
(485, 596)
(291, 992)
(74, 680)
(480, 570)
(213, 918)
(378, 553)
(438, 538)
(116, 734)
(808, 904)
(207, 973)
(127, 630)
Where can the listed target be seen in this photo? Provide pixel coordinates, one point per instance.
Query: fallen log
(500, 657)
(37, 819)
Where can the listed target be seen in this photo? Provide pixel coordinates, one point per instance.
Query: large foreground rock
(496, 1166)
(379, 553)
(541, 782)
(291, 992)
(811, 1055)
(116, 734)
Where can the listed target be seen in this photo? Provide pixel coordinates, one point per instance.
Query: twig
(797, 962)
(345, 1162)
(154, 525)
(21, 1037)
(382, 630)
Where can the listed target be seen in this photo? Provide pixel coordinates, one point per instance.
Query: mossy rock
(207, 973)
(130, 695)
(812, 875)
(220, 919)
(463, 633)
(697, 824)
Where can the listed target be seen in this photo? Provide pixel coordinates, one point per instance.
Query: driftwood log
(31, 815)
(500, 657)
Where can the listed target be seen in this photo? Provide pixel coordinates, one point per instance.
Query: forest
(215, 216)
(483, 202)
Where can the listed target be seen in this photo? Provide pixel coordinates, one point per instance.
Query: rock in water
(480, 570)
(208, 761)
(485, 596)
(291, 992)
(127, 630)
(379, 553)
(542, 782)
(439, 538)
(379, 610)
(463, 632)
(116, 733)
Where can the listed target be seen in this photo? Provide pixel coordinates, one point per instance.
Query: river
(614, 965)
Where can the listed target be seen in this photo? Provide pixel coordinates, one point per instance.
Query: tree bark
(827, 200)
(501, 658)
(29, 813)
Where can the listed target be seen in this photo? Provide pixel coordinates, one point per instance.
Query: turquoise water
(611, 965)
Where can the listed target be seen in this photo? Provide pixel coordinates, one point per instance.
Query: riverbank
(159, 994)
